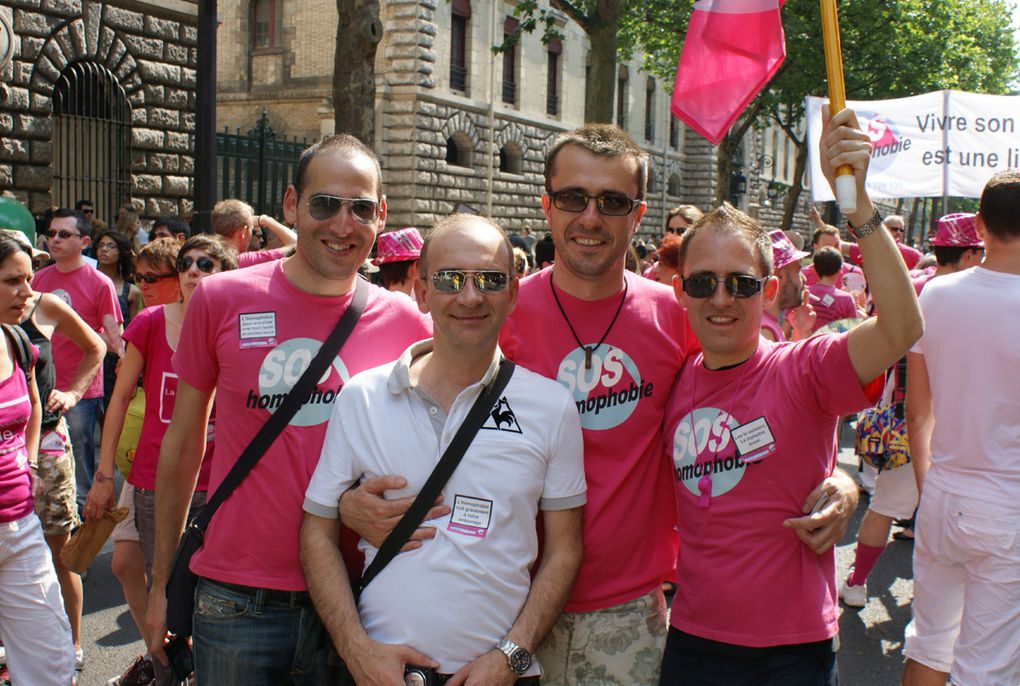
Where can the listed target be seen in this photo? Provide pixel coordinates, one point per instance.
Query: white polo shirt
(458, 595)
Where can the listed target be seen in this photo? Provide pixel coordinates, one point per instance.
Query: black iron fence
(256, 167)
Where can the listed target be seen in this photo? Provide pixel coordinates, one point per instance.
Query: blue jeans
(256, 637)
(81, 425)
(694, 661)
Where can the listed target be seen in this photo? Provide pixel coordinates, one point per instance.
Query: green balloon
(14, 215)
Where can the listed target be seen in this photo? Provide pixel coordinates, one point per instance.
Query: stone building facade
(99, 103)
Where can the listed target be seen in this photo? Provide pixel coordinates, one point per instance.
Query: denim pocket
(212, 606)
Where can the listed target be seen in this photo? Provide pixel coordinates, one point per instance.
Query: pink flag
(732, 49)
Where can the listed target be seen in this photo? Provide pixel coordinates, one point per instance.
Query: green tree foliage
(891, 48)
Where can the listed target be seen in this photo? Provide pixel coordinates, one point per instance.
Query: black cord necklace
(589, 349)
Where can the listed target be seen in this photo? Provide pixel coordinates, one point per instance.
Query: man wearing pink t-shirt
(247, 337)
(751, 427)
(830, 302)
(93, 297)
(827, 236)
(235, 221)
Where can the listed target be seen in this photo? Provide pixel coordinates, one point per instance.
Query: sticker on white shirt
(754, 440)
(470, 516)
(257, 329)
(827, 300)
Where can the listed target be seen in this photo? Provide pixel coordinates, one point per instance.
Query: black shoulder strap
(22, 347)
(414, 516)
(269, 431)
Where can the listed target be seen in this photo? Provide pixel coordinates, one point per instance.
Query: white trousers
(33, 623)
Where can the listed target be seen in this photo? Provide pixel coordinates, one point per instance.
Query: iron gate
(256, 167)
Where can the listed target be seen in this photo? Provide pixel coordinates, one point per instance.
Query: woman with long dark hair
(35, 628)
(117, 260)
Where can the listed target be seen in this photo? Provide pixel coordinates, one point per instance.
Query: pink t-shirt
(910, 256)
(744, 578)
(147, 332)
(92, 296)
(249, 334)
(629, 520)
(15, 479)
(832, 304)
(919, 277)
(770, 323)
(253, 257)
(811, 276)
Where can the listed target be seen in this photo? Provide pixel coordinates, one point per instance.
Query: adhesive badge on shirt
(257, 329)
(754, 440)
(470, 516)
(827, 300)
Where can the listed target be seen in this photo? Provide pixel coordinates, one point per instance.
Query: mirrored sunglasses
(453, 280)
(323, 207)
(737, 285)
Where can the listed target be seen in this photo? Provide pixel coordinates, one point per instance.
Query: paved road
(871, 637)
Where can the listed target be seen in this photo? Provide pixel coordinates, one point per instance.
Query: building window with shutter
(552, 82)
(267, 24)
(458, 45)
(622, 79)
(650, 110)
(510, 38)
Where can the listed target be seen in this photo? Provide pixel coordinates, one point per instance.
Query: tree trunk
(358, 33)
(793, 196)
(600, 96)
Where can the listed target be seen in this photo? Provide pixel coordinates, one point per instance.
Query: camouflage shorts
(618, 645)
(55, 505)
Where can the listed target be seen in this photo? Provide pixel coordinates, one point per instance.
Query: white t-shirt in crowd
(971, 346)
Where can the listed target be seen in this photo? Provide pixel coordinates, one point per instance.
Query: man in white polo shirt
(463, 602)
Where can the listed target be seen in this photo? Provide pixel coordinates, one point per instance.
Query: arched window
(510, 159)
(459, 151)
(266, 23)
(673, 186)
(91, 139)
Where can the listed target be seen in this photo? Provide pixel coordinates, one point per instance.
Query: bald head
(457, 225)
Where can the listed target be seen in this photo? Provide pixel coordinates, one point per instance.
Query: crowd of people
(487, 468)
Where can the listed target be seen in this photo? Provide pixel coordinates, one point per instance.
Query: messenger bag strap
(415, 514)
(277, 421)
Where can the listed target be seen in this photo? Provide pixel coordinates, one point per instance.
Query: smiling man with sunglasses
(465, 601)
(93, 297)
(751, 428)
(248, 336)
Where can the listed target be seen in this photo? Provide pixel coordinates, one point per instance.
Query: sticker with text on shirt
(257, 329)
(470, 516)
(754, 440)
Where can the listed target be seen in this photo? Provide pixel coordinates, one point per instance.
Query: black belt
(298, 598)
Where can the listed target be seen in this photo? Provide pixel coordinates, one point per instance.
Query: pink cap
(398, 246)
(957, 231)
(783, 251)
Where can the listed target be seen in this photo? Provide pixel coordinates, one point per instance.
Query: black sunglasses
(63, 234)
(322, 207)
(203, 263)
(609, 204)
(153, 278)
(453, 280)
(737, 285)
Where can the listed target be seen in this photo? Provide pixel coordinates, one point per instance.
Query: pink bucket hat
(783, 251)
(398, 246)
(957, 231)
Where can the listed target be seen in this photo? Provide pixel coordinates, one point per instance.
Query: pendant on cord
(587, 356)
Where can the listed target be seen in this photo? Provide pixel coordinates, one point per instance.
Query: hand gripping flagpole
(846, 185)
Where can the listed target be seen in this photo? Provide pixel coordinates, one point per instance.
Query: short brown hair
(827, 261)
(456, 220)
(229, 216)
(826, 230)
(342, 143)
(1000, 205)
(605, 140)
(214, 247)
(161, 254)
(728, 218)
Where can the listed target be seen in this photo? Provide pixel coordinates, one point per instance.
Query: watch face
(520, 661)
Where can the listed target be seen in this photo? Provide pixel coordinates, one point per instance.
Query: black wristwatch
(518, 659)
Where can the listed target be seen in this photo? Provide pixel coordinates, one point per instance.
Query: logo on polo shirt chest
(706, 432)
(607, 392)
(280, 370)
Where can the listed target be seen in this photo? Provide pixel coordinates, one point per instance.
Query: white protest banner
(941, 143)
